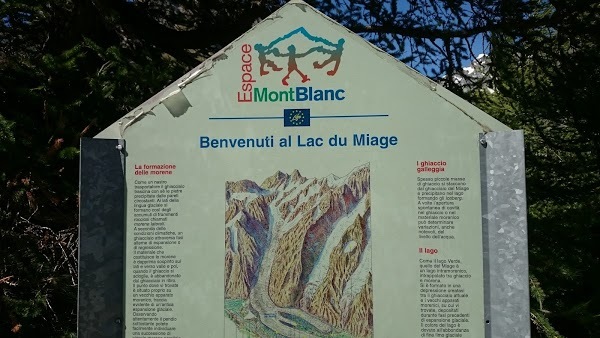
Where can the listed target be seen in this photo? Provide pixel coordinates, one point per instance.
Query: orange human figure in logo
(336, 56)
(262, 58)
(292, 64)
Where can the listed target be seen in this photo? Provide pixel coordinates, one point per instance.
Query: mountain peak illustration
(243, 186)
(297, 177)
(275, 180)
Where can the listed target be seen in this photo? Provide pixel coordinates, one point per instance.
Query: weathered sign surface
(303, 183)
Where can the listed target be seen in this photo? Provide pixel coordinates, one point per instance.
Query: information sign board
(303, 183)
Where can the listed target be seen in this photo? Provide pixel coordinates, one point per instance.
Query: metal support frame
(504, 212)
(101, 239)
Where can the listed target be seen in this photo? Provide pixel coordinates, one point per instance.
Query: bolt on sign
(303, 183)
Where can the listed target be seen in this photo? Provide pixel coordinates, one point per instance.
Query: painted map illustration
(298, 255)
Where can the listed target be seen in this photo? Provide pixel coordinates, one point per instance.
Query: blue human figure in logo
(262, 59)
(335, 56)
(292, 64)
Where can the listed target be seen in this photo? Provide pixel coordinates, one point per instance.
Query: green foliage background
(69, 68)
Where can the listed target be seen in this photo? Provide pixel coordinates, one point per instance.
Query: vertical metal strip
(101, 239)
(506, 270)
(485, 236)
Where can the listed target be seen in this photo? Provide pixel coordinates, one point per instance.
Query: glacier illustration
(298, 255)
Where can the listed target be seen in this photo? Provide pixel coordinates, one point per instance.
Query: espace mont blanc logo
(298, 60)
